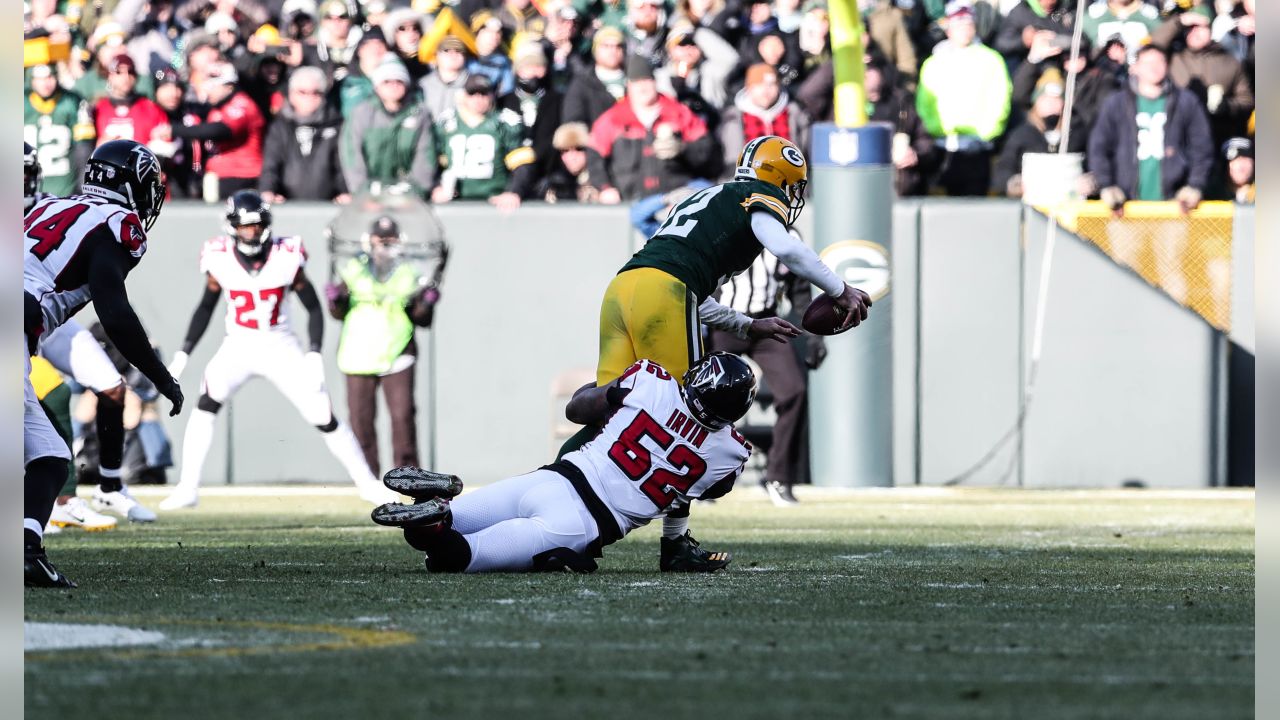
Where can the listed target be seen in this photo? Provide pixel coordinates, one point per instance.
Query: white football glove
(177, 364)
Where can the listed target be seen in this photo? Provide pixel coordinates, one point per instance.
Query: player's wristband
(616, 395)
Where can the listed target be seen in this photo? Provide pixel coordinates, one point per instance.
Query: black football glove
(173, 391)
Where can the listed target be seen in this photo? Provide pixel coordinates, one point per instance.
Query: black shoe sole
(430, 512)
(422, 484)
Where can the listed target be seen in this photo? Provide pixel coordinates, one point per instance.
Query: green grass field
(908, 603)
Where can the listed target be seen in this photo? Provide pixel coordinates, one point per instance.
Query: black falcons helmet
(30, 174)
(128, 173)
(247, 207)
(719, 389)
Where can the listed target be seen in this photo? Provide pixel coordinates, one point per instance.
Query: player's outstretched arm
(108, 266)
(593, 405)
(802, 261)
(721, 317)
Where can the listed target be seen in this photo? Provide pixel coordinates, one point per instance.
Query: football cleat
(120, 502)
(180, 498)
(780, 494)
(77, 513)
(39, 572)
(684, 554)
(430, 512)
(422, 484)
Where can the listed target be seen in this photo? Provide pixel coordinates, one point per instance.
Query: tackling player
(257, 270)
(76, 354)
(663, 444)
(655, 306)
(77, 250)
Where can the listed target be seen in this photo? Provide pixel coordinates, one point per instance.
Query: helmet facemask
(795, 193)
(250, 244)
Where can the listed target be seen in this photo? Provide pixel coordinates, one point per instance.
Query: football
(825, 317)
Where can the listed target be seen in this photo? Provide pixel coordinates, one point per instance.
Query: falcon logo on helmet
(248, 222)
(779, 162)
(719, 389)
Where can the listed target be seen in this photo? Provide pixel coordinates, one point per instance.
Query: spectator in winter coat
(915, 155)
(1235, 31)
(761, 108)
(537, 104)
(646, 30)
(232, 133)
(333, 47)
(1041, 132)
(1239, 155)
(564, 47)
(697, 70)
(568, 179)
(124, 115)
(440, 89)
(1132, 20)
(388, 141)
(778, 50)
(596, 90)
(357, 87)
(887, 26)
(403, 28)
(58, 124)
(963, 100)
(1152, 141)
(1031, 22)
(648, 143)
(1206, 69)
(491, 60)
(721, 17)
(1095, 81)
(300, 155)
(182, 169)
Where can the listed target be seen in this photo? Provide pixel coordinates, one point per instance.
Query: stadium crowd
(618, 101)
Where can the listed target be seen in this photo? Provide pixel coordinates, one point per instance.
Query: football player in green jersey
(655, 306)
(57, 124)
(483, 152)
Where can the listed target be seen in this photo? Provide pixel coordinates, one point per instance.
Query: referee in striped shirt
(757, 292)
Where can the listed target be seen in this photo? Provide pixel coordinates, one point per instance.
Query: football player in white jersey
(256, 270)
(663, 445)
(74, 352)
(79, 250)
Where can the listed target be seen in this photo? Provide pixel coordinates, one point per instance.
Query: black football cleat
(422, 484)
(39, 572)
(423, 514)
(684, 554)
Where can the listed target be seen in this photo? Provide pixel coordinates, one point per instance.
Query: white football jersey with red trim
(256, 297)
(652, 452)
(54, 269)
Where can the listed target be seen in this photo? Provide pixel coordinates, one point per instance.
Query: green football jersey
(52, 127)
(481, 158)
(708, 238)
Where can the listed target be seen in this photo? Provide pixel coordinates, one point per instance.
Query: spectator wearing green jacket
(963, 101)
(388, 140)
(357, 87)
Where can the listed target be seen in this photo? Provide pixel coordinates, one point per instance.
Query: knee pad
(329, 426)
(208, 404)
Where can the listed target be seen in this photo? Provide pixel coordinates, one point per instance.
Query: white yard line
(38, 636)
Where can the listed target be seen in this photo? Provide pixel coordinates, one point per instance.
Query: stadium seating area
(612, 101)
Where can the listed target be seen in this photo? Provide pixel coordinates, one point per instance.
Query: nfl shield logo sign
(843, 148)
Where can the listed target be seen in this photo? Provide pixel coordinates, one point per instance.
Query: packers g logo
(862, 264)
(793, 156)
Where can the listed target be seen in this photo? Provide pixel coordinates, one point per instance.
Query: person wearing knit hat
(490, 58)
(537, 103)
(387, 142)
(697, 68)
(1239, 154)
(1040, 133)
(440, 88)
(357, 87)
(762, 107)
(568, 179)
(596, 88)
(62, 133)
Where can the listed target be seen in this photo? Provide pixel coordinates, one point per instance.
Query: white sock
(344, 446)
(674, 527)
(195, 448)
(34, 526)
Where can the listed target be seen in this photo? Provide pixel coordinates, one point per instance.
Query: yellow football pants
(648, 314)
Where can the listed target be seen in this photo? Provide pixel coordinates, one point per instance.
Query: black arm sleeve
(315, 322)
(200, 318)
(203, 131)
(109, 264)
